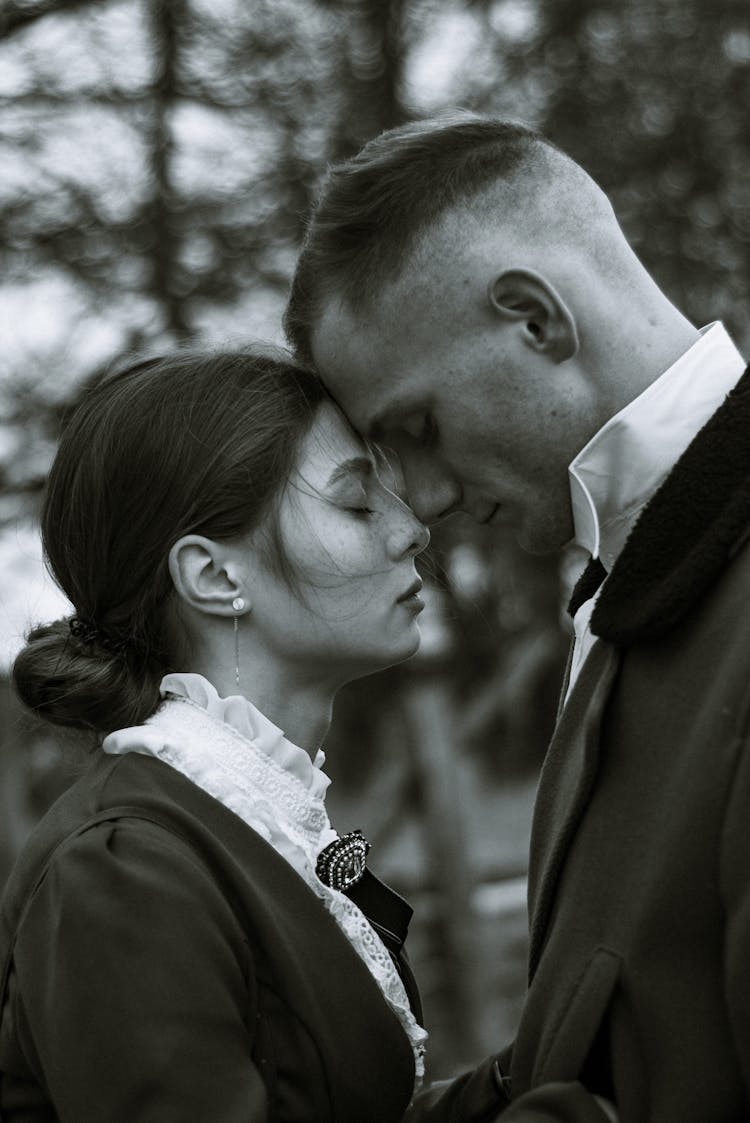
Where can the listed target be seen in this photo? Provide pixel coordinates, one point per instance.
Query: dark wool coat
(166, 965)
(639, 883)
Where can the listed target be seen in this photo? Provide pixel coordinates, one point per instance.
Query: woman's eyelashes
(357, 503)
(376, 499)
(369, 494)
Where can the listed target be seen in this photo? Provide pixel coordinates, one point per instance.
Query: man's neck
(623, 464)
(650, 346)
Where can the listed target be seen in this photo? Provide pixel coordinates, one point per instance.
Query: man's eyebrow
(355, 466)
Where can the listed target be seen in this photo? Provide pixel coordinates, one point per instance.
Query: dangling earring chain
(237, 604)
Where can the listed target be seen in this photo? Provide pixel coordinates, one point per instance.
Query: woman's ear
(206, 575)
(525, 297)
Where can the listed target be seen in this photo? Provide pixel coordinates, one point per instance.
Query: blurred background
(157, 160)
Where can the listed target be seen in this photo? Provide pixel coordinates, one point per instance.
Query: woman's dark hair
(183, 444)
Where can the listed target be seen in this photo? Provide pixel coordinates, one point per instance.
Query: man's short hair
(373, 208)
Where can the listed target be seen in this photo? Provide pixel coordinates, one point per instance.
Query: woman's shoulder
(96, 869)
(136, 809)
(133, 787)
(137, 802)
(104, 788)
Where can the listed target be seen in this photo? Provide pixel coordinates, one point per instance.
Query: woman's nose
(411, 537)
(421, 537)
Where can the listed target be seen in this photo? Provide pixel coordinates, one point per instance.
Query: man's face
(480, 422)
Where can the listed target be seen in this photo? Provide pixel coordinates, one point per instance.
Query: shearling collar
(686, 533)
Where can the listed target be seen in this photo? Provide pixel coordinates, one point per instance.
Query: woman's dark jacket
(164, 965)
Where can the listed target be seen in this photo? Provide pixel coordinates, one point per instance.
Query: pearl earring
(237, 604)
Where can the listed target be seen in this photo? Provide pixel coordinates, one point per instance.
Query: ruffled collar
(232, 751)
(247, 720)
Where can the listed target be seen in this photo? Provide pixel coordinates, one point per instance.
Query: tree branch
(14, 17)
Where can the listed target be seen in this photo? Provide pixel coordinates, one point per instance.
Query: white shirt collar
(621, 467)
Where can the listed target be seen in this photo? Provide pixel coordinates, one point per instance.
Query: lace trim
(240, 714)
(235, 756)
(228, 766)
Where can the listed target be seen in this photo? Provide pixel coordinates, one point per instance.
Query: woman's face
(350, 544)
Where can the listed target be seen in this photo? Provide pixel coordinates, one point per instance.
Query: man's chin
(535, 548)
(542, 539)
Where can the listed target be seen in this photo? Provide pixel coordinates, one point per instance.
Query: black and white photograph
(374, 561)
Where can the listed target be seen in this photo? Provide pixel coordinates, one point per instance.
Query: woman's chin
(407, 647)
(374, 661)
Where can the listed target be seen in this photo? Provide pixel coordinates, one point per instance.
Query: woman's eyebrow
(355, 466)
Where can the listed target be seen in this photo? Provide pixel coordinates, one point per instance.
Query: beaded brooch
(341, 863)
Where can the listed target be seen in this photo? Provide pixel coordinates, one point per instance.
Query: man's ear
(205, 575)
(525, 297)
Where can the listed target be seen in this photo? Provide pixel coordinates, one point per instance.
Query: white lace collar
(250, 723)
(231, 751)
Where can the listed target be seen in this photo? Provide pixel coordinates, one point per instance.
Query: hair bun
(74, 674)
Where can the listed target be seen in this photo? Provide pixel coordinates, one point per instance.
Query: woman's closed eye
(357, 503)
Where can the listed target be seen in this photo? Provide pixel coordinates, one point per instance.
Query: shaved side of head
(432, 186)
(546, 205)
(374, 208)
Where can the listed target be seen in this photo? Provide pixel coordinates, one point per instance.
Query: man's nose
(432, 493)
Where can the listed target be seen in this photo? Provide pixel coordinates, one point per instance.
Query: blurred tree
(370, 69)
(167, 23)
(160, 157)
(15, 16)
(652, 97)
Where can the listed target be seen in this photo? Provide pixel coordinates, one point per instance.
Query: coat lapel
(686, 533)
(680, 544)
(567, 778)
